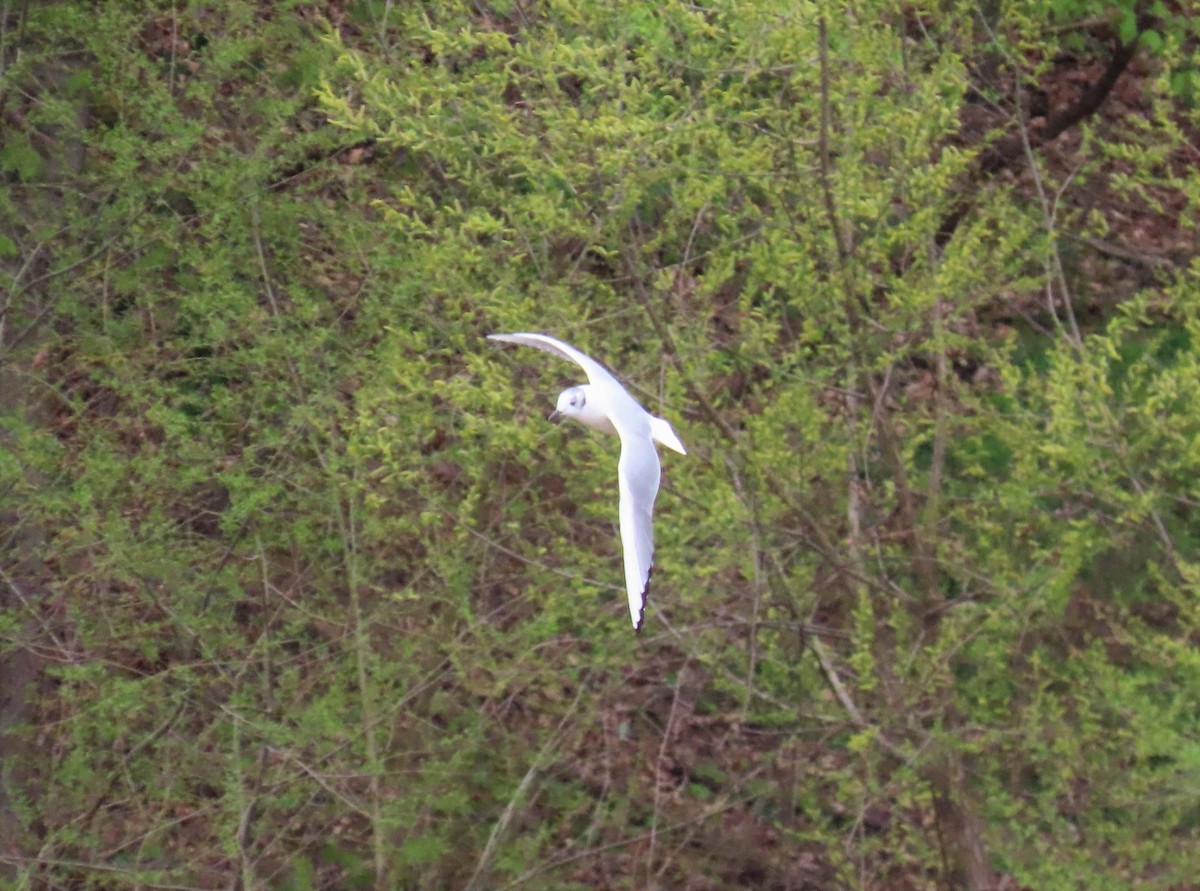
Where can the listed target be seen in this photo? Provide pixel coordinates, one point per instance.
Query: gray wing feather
(637, 475)
(597, 373)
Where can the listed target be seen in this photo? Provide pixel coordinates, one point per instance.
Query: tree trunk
(959, 826)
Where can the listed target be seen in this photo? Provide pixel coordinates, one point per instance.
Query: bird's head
(571, 402)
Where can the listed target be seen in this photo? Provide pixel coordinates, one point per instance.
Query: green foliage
(317, 599)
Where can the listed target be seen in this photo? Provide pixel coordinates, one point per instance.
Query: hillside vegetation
(299, 589)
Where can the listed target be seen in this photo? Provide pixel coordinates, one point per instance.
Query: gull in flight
(604, 404)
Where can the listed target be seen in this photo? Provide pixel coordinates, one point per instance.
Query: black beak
(554, 414)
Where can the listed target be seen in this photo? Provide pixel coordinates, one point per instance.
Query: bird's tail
(661, 432)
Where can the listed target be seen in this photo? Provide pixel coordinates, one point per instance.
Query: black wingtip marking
(645, 596)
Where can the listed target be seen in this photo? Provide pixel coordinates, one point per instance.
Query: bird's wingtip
(641, 615)
(515, 337)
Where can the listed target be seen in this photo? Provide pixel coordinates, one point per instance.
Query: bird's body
(589, 409)
(605, 405)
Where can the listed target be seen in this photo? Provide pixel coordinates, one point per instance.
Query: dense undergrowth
(300, 590)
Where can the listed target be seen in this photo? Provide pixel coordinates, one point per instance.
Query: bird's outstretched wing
(597, 373)
(637, 477)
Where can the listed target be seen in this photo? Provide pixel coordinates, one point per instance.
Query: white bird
(604, 404)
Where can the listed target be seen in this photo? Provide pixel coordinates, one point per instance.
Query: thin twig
(658, 767)
(483, 868)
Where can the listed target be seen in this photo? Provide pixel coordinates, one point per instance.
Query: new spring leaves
(604, 404)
